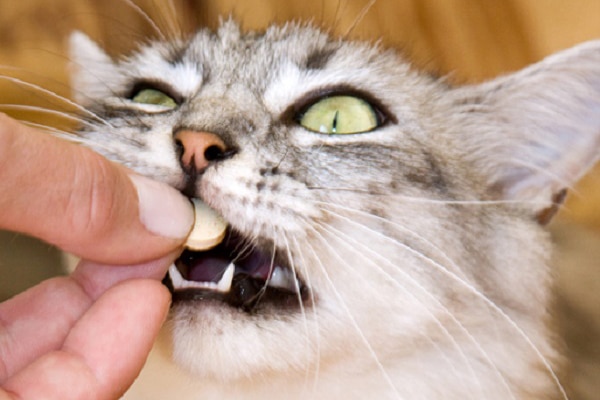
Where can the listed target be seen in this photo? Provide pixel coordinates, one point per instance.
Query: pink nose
(200, 148)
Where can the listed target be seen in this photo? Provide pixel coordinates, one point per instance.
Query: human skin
(87, 335)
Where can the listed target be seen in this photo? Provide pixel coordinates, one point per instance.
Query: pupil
(335, 121)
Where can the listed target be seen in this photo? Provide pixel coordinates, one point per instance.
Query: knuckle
(94, 202)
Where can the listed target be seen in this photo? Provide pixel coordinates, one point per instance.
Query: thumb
(74, 198)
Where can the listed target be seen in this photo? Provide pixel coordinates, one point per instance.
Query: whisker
(473, 290)
(394, 225)
(66, 135)
(300, 302)
(337, 16)
(22, 107)
(552, 176)
(56, 96)
(175, 22)
(132, 4)
(365, 10)
(49, 111)
(446, 311)
(474, 202)
(353, 321)
(264, 287)
(315, 313)
(244, 248)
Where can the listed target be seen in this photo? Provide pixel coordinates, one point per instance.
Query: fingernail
(163, 210)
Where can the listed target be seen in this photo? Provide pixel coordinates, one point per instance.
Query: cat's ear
(535, 132)
(91, 69)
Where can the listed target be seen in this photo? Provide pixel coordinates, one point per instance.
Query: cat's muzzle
(236, 273)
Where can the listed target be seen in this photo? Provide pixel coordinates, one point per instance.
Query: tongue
(209, 266)
(208, 269)
(237, 274)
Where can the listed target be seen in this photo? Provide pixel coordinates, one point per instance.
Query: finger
(74, 198)
(105, 350)
(96, 278)
(37, 321)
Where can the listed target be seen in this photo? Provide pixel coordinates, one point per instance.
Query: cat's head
(372, 208)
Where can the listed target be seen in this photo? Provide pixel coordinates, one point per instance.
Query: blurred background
(466, 40)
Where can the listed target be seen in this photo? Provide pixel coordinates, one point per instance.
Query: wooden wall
(470, 39)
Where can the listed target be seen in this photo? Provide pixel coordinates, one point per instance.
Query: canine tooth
(283, 279)
(176, 278)
(180, 283)
(224, 284)
(209, 228)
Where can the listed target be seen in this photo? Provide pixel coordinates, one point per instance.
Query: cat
(386, 229)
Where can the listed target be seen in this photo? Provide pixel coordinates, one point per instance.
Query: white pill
(209, 228)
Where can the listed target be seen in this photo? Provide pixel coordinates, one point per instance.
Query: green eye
(154, 97)
(340, 115)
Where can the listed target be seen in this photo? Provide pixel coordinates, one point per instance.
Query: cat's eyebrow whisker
(472, 289)
(359, 18)
(337, 16)
(146, 17)
(437, 302)
(56, 96)
(173, 21)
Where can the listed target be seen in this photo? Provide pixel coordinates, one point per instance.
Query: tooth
(180, 283)
(224, 284)
(176, 278)
(282, 278)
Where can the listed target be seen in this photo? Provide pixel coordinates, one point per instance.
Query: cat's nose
(200, 148)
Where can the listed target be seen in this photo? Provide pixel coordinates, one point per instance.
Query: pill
(209, 228)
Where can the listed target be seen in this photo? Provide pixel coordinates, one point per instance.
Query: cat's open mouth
(237, 274)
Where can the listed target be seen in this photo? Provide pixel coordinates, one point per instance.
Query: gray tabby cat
(385, 229)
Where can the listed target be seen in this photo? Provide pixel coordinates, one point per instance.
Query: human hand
(86, 335)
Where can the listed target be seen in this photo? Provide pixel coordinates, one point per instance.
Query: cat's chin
(221, 343)
(239, 309)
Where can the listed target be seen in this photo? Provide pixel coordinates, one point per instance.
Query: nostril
(179, 147)
(214, 153)
(197, 149)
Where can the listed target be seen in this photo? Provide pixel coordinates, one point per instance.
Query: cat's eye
(154, 97)
(340, 115)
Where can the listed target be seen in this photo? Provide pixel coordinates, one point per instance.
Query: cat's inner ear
(536, 132)
(91, 69)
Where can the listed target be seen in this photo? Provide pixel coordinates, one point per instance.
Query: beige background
(470, 40)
